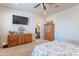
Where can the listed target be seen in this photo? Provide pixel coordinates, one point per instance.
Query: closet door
(49, 32)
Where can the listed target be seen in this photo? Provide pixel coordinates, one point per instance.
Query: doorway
(37, 31)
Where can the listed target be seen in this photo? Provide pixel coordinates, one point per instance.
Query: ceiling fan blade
(44, 6)
(37, 5)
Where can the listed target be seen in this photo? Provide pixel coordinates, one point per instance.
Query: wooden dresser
(14, 40)
(49, 31)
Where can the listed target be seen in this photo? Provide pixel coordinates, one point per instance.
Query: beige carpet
(21, 50)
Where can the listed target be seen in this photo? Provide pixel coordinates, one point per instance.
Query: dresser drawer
(19, 39)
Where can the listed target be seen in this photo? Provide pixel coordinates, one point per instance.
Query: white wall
(66, 24)
(6, 22)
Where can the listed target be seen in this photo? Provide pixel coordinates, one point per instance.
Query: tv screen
(20, 20)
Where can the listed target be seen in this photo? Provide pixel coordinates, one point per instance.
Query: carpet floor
(21, 50)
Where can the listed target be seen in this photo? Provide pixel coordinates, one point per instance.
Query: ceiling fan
(41, 4)
(44, 5)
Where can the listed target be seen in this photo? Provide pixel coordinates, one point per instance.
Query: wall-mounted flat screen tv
(20, 20)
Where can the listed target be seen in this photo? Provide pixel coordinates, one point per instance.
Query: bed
(56, 48)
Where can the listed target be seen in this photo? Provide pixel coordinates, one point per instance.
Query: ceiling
(29, 7)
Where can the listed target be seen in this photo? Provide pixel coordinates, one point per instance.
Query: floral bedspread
(56, 48)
